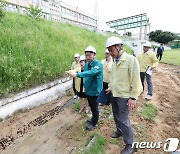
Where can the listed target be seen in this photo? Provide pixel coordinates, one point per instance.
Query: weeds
(76, 105)
(141, 132)
(114, 141)
(97, 145)
(33, 53)
(149, 112)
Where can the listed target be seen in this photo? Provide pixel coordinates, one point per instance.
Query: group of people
(117, 80)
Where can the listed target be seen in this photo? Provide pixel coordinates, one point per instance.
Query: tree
(2, 8)
(34, 12)
(161, 36)
(177, 37)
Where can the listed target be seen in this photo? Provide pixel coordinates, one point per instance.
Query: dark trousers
(121, 118)
(93, 104)
(75, 91)
(149, 82)
(159, 56)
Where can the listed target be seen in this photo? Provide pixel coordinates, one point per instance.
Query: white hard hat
(90, 49)
(107, 51)
(113, 41)
(76, 55)
(82, 57)
(147, 44)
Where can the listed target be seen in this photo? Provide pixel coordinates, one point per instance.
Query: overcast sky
(163, 14)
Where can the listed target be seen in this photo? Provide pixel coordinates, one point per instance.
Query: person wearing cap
(147, 61)
(93, 78)
(79, 86)
(75, 65)
(125, 86)
(104, 98)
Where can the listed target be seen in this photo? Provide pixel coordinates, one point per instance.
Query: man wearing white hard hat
(125, 85)
(104, 98)
(75, 65)
(148, 62)
(93, 78)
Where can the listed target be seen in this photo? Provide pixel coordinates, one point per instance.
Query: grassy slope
(171, 57)
(32, 53)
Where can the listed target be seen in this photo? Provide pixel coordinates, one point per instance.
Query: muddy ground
(54, 128)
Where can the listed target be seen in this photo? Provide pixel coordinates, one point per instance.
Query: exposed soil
(51, 128)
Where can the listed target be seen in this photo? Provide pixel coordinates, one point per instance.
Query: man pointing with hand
(93, 79)
(125, 85)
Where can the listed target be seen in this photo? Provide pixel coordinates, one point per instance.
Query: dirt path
(166, 80)
(167, 99)
(38, 130)
(63, 132)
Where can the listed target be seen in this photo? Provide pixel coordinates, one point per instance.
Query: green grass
(98, 146)
(107, 111)
(114, 141)
(171, 57)
(76, 105)
(149, 112)
(141, 132)
(33, 53)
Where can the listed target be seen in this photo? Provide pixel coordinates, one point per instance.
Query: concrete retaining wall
(34, 97)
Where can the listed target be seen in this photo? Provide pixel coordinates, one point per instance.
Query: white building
(75, 15)
(56, 10)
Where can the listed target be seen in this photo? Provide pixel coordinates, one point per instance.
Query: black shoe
(89, 121)
(128, 150)
(116, 135)
(91, 127)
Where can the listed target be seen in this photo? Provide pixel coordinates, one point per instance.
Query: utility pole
(140, 31)
(145, 33)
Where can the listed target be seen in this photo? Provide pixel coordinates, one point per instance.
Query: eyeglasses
(89, 55)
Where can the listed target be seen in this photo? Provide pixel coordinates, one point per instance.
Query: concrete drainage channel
(30, 99)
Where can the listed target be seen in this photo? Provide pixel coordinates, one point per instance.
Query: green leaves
(34, 12)
(162, 36)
